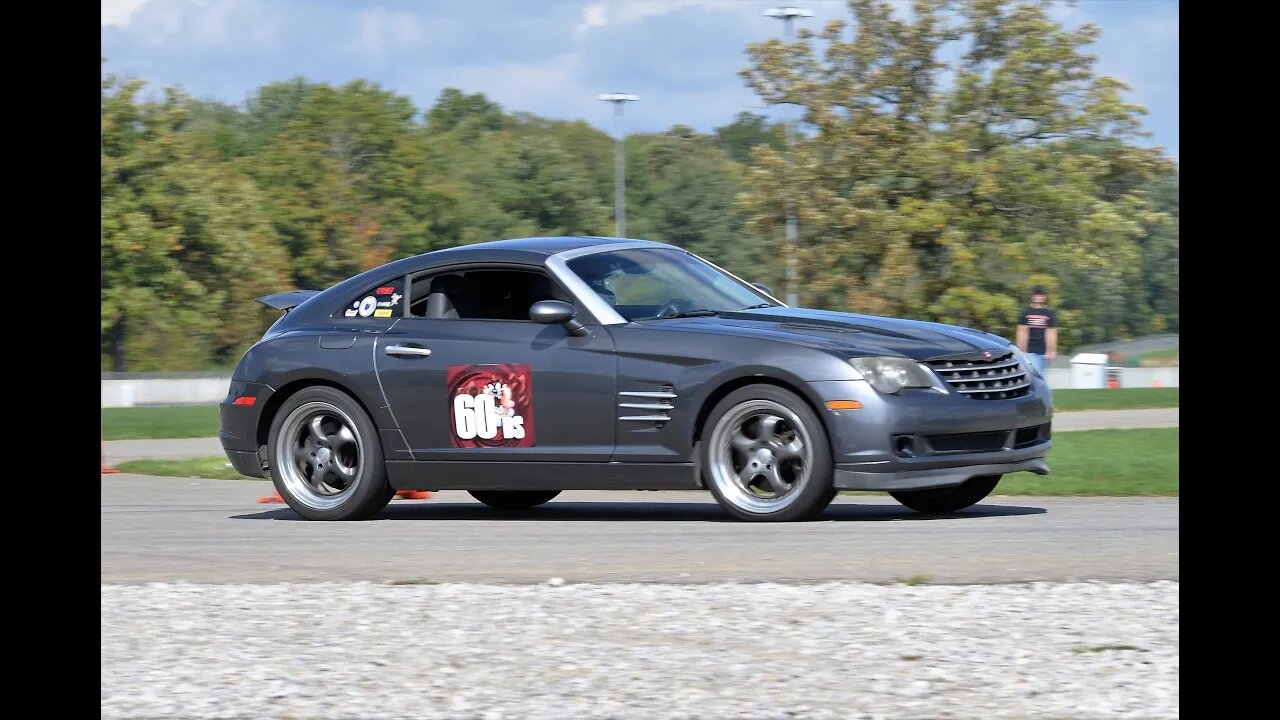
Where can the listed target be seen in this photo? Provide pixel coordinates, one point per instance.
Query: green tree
(681, 189)
(341, 173)
(946, 200)
(1160, 256)
(185, 243)
(456, 111)
(747, 131)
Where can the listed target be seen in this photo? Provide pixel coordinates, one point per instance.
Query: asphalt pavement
(186, 529)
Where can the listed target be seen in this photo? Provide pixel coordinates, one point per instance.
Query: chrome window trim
(603, 311)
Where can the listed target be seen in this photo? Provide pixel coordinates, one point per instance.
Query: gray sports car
(518, 369)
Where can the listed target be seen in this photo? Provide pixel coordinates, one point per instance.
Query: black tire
(812, 472)
(950, 499)
(514, 499)
(368, 490)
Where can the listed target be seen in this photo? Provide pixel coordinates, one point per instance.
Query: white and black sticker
(367, 306)
(351, 312)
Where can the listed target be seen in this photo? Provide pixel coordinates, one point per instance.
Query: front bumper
(952, 438)
(864, 477)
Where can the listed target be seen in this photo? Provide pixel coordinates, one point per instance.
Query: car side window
(381, 301)
(482, 294)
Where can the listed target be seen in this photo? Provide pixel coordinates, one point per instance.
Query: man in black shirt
(1038, 330)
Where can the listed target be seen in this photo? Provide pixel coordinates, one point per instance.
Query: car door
(463, 385)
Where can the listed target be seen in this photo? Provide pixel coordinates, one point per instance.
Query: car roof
(533, 250)
(544, 245)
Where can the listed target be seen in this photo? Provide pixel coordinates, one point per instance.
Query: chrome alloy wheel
(760, 456)
(318, 455)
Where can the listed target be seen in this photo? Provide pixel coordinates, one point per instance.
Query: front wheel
(948, 499)
(514, 499)
(765, 456)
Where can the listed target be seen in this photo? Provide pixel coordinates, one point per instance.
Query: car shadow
(648, 511)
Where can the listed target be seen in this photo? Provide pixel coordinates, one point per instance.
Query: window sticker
(490, 405)
(382, 302)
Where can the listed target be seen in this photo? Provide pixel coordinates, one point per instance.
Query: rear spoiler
(288, 299)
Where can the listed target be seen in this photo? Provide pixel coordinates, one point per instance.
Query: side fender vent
(649, 406)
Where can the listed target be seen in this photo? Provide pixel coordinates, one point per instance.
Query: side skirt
(485, 475)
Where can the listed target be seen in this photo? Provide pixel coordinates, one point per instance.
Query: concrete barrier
(164, 391)
(206, 389)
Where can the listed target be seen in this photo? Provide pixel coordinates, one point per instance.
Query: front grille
(967, 442)
(995, 379)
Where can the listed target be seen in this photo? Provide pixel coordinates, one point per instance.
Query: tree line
(932, 188)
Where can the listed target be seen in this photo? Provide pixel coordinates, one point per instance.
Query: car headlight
(891, 374)
(1025, 360)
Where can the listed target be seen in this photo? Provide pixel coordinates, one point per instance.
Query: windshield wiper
(757, 307)
(688, 314)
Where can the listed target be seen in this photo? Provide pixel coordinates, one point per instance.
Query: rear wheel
(765, 456)
(949, 499)
(513, 499)
(326, 459)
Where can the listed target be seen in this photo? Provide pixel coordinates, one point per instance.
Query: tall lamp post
(619, 162)
(787, 15)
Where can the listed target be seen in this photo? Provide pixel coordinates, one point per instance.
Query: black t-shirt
(1037, 320)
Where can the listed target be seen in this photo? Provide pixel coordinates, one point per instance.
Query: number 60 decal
(491, 405)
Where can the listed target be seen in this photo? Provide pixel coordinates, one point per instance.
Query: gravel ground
(838, 650)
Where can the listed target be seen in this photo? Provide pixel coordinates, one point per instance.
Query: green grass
(214, 466)
(1161, 356)
(1117, 399)
(913, 579)
(1104, 462)
(184, 421)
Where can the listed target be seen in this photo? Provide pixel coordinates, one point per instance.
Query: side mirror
(556, 312)
(764, 288)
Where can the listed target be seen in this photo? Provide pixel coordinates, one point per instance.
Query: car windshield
(649, 283)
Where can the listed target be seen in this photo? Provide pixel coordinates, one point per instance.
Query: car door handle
(407, 350)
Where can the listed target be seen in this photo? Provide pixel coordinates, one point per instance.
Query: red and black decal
(490, 405)
(385, 290)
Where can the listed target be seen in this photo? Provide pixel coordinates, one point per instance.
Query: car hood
(857, 335)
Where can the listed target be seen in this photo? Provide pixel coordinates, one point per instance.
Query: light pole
(786, 15)
(619, 163)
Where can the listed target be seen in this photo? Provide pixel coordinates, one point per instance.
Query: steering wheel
(675, 306)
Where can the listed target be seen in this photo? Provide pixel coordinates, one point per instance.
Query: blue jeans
(1038, 361)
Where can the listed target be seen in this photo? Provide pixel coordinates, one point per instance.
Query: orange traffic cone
(105, 469)
(273, 498)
